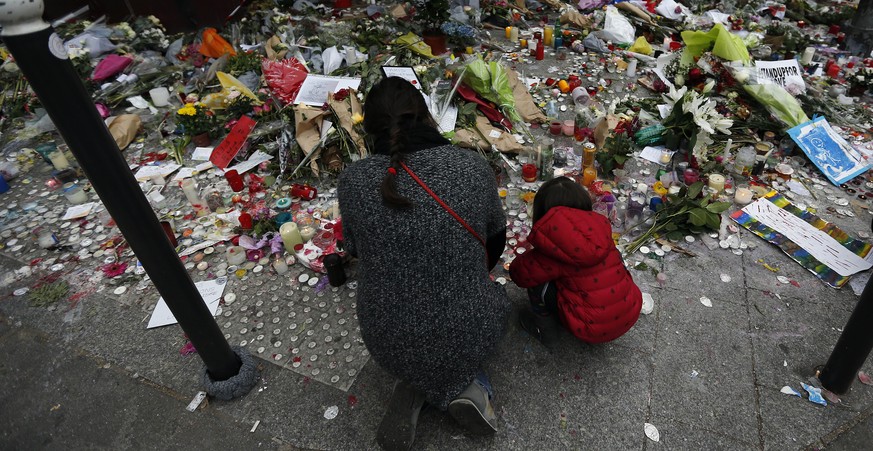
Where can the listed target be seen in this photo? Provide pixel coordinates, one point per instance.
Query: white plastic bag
(617, 28)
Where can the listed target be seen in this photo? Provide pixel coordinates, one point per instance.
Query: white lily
(674, 96)
(708, 86)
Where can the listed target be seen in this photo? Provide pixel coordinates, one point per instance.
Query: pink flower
(113, 269)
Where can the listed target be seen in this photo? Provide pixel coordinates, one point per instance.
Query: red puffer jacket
(597, 298)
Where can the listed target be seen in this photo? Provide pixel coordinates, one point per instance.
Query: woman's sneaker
(544, 328)
(397, 430)
(473, 410)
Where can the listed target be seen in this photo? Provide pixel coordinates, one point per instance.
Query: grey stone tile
(703, 367)
(682, 436)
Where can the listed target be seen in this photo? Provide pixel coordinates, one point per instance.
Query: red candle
(555, 128)
(529, 172)
(834, 29)
(245, 221)
(675, 45)
(234, 180)
(691, 176)
(834, 71)
(541, 50)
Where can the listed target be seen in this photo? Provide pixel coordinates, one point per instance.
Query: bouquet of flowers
(150, 34)
(693, 117)
(196, 119)
(861, 80)
(461, 33)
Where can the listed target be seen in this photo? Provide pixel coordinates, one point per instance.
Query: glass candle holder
(555, 128)
(569, 127)
(691, 176)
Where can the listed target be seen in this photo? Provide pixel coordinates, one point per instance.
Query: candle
(234, 180)
(806, 58)
(743, 196)
(589, 175)
(834, 71)
(523, 43)
(59, 160)
(532, 46)
(279, 265)
(569, 127)
(549, 34)
(160, 96)
(666, 156)
(632, 68)
(307, 232)
(555, 127)
(716, 182)
(529, 172)
(75, 194)
(691, 176)
(47, 239)
(513, 35)
(190, 191)
(559, 42)
(541, 51)
(245, 221)
(290, 235)
(236, 255)
(508, 32)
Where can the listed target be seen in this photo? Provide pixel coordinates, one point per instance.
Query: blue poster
(835, 157)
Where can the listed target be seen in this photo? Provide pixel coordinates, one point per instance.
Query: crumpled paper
(486, 135)
(309, 121)
(415, 43)
(641, 45)
(524, 102)
(229, 83)
(724, 44)
(345, 111)
(124, 129)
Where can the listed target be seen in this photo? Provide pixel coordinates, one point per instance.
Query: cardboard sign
(836, 158)
(234, 141)
(781, 73)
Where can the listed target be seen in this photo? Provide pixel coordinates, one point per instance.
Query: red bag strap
(445, 207)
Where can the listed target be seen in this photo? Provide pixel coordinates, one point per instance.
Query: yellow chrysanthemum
(357, 118)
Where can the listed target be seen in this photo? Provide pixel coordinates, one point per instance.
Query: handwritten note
(818, 243)
(234, 141)
(210, 291)
(257, 158)
(202, 153)
(78, 211)
(405, 72)
(183, 174)
(315, 88)
(147, 172)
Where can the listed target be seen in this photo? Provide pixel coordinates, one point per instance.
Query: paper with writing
(315, 88)
(230, 146)
(78, 211)
(210, 291)
(257, 158)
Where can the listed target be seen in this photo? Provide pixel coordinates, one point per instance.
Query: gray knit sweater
(428, 312)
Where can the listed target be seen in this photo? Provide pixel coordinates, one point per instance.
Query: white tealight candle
(743, 196)
(716, 182)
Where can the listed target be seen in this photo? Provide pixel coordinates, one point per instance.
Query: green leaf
(697, 217)
(695, 189)
(713, 221)
(675, 236)
(718, 207)
(704, 202)
(671, 227)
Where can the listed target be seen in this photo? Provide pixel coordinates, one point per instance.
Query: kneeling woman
(422, 215)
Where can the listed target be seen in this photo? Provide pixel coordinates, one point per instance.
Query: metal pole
(41, 55)
(853, 346)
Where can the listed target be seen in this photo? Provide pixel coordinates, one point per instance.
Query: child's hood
(573, 236)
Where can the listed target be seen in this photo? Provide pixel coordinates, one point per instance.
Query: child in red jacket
(574, 270)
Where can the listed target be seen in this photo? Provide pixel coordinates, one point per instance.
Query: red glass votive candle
(555, 128)
(675, 45)
(529, 172)
(245, 221)
(234, 179)
(691, 176)
(834, 29)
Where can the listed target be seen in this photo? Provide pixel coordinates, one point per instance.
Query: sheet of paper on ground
(210, 290)
(833, 256)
